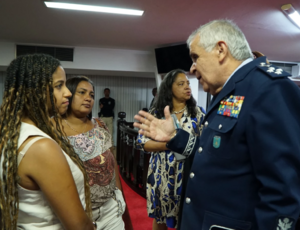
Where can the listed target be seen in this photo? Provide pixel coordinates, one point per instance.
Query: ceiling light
(102, 9)
(292, 13)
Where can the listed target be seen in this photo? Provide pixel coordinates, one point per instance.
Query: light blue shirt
(240, 66)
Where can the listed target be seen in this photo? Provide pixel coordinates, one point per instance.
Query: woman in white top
(43, 184)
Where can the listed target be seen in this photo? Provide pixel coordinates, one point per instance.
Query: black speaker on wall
(173, 57)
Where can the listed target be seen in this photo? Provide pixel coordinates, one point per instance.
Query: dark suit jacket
(246, 169)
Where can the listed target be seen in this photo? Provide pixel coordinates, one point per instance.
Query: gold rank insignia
(231, 106)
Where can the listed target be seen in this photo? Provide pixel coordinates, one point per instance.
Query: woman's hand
(156, 129)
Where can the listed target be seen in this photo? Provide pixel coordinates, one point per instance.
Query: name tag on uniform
(231, 107)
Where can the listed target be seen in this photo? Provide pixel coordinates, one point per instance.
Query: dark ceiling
(164, 22)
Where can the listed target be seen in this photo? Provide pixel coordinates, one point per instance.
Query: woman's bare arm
(154, 146)
(46, 166)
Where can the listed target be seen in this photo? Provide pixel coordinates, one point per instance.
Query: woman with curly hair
(43, 184)
(166, 170)
(92, 142)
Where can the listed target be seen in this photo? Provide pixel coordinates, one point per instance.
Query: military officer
(246, 168)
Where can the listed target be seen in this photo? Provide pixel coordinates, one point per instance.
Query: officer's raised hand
(156, 129)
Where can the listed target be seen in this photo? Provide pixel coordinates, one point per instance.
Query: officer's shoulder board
(272, 70)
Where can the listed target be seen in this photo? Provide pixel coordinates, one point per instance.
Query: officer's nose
(193, 68)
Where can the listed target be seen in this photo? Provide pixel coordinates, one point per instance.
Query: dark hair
(165, 96)
(106, 89)
(72, 84)
(28, 81)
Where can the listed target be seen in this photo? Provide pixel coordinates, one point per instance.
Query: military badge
(285, 223)
(231, 106)
(217, 141)
(272, 70)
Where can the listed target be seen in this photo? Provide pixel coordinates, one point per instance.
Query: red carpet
(137, 207)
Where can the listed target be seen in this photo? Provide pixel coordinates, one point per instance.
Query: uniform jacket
(246, 168)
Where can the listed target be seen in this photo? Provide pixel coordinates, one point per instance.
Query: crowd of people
(235, 166)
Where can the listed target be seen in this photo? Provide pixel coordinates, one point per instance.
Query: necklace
(74, 129)
(180, 111)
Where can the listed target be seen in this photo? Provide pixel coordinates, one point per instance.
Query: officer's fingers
(142, 113)
(142, 120)
(137, 117)
(137, 125)
(145, 127)
(146, 133)
(167, 112)
(141, 131)
(146, 115)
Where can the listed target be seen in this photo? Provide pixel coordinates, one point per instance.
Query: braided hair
(28, 80)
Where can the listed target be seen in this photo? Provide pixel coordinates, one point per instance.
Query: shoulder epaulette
(272, 70)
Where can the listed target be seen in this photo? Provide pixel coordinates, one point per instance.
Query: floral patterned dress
(93, 149)
(165, 174)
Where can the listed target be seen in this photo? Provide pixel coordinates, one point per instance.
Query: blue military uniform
(246, 169)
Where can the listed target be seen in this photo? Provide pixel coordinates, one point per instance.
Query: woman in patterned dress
(92, 142)
(165, 184)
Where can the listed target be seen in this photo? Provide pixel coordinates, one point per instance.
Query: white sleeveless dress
(34, 210)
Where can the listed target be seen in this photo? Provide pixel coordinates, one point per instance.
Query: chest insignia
(217, 141)
(231, 106)
(285, 223)
(272, 70)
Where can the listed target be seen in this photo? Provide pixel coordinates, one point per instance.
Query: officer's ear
(222, 51)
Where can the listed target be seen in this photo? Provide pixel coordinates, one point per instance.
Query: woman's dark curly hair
(72, 84)
(165, 96)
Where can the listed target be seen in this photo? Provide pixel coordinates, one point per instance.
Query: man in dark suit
(246, 169)
(107, 105)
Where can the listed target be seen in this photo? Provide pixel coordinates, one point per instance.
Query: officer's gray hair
(223, 30)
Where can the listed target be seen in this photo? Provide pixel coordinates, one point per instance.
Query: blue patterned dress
(164, 183)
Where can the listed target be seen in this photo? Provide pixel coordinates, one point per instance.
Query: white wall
(7, 53)
(197, 91)
(112, 60)
(101, 61)
(202, 97)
